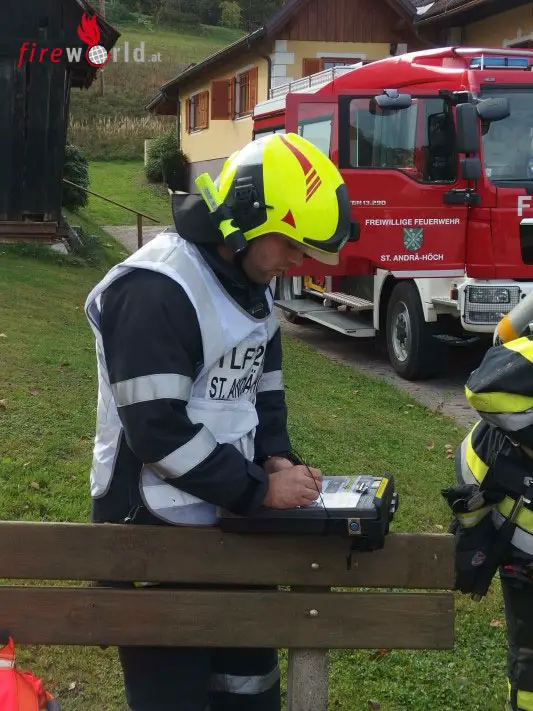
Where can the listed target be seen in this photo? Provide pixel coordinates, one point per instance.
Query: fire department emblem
(413, 238)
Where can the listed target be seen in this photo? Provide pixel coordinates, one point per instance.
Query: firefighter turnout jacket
(495, 455)
(190, 391)
(492, 502)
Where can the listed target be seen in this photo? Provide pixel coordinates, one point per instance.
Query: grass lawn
(178, 46)
(340, 420)
(129, 85)
(124, 182)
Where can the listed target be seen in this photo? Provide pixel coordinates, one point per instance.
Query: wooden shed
(38, 69)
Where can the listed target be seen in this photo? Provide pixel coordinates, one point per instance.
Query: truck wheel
(412, 349)
(285, 292)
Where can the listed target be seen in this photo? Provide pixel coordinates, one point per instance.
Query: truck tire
(413, 352)
(285, 291)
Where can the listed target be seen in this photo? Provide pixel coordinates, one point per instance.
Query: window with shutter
(197, 111)
(188, 115)
(329, 63)
(220, 99)
(245, 92)
(311, 66)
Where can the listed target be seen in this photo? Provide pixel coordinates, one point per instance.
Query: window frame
(338, 62)
(278, 128)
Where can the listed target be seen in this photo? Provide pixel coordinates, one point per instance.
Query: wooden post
(101, 71)
(139, 231)
(308, 671)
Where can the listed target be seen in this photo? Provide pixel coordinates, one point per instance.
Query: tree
(230, 14)
(76, 170)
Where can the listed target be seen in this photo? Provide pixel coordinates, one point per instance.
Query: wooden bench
(304, 615)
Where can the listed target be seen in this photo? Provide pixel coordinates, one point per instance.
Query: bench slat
(66, 551)
(90, 616)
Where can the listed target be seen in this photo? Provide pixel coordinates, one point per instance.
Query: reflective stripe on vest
(232, 684)
(222, 397)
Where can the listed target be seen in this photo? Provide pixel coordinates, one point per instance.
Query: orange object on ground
(21, 691)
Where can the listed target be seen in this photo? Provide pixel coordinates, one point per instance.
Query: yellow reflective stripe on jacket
(477, 466)
(496, 402)
(523, 346)
(472, 518)
(525, 700)
(524, 518)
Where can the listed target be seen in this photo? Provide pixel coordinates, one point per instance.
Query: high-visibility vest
(223, 395)
(21, 691)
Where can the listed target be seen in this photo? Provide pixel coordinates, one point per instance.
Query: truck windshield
(507, 144)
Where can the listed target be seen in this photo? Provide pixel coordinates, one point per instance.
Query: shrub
(230, 14)
(75, 169)
(117, 13)
(171, 13)
(166, 163)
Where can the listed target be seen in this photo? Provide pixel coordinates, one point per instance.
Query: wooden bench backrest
(197, 616)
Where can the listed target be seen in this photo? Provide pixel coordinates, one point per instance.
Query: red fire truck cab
(436, 150)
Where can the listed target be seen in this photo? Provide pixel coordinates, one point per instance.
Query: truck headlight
(485, 305)
(488, 295)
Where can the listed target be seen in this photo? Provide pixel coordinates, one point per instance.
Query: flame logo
(88, 31)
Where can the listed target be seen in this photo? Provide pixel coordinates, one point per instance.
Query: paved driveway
(444, 393)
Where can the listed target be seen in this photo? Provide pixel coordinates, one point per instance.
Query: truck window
(267, 132)
(508, 144)
(315, 124)
(419, 140)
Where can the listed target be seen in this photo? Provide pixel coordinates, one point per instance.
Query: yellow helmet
(284, 184)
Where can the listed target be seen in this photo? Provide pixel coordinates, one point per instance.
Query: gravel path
(444, 394)
(128, 234)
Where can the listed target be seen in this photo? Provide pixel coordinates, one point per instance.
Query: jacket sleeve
(153, 350)
(271, 434)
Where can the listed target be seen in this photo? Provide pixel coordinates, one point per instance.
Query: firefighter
(493, 500)
(191, 414)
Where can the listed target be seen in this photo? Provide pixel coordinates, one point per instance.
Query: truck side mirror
(471, 168)
(495, 109)
(467, 129)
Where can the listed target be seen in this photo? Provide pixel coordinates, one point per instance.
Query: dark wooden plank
(6, 141)
(198, 618)
(18, 136)
(59, 98)
(28, 227)
(66, 551)
(37, 160)
(348, 21)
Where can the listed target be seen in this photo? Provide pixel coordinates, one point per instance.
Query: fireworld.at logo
(96, 55)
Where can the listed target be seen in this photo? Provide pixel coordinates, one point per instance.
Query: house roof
(83, 74)
(427, 10)
(273, 25)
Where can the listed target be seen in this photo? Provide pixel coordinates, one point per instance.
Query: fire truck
(435, 147)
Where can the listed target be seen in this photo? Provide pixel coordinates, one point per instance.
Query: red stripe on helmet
(302, 160)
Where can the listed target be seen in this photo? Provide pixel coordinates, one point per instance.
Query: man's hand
(277, 464)
(292, 487)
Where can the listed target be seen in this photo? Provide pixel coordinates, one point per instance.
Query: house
(213, 99)
(36, 76)
(483, 23)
